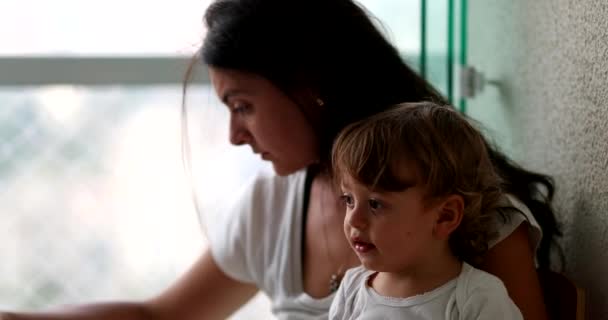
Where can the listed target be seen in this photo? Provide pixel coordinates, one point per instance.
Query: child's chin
(370, 265)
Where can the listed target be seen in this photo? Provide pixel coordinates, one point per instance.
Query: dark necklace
(334, 282)
(336, 277)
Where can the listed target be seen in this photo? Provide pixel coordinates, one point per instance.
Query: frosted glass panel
(401, 25)
(437, 63)
(493, 55)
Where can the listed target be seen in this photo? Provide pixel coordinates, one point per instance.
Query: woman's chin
(283, 170)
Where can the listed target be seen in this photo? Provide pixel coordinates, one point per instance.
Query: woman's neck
(326, 251)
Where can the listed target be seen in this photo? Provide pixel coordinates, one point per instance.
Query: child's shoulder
(481, 295)
(357, 272)
(472, 280)
(354, 277)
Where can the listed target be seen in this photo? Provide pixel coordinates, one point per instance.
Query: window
(96, 202)
(100, 28)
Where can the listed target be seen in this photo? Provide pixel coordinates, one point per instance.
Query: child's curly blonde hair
(450, 156)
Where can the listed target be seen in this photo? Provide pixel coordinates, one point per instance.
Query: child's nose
(357, 218)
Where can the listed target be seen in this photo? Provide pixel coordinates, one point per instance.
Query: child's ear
(449, 215)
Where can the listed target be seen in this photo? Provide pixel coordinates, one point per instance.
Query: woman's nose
(239, 135)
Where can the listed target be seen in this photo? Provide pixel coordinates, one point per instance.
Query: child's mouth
(362, 246)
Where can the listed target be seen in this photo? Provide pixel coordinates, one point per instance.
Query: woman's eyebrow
(228, 94)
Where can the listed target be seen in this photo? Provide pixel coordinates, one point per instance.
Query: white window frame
(96, 71)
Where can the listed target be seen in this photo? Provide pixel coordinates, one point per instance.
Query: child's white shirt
(474, 294)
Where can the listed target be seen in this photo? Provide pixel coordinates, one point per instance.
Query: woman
(293, 74)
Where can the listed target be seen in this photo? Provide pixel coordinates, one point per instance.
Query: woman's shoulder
(268, 190)
(511, 201)
(512, 208)
(262, 201)
(265, 181)
(511, 213)
(254, 231)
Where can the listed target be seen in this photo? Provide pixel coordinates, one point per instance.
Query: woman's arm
(512, 261)
(204, 292)
(118, 310)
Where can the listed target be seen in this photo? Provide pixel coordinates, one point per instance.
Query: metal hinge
(472, 82)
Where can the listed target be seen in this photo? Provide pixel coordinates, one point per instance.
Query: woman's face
(266, 119)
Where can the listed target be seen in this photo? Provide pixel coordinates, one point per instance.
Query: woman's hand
(205, 292)
(6, 316)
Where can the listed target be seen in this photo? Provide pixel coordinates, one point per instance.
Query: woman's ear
(449, 216)
(311, 103)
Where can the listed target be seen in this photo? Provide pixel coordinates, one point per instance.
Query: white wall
(551, 113)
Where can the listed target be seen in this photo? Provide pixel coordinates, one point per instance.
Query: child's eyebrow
(408, 183)
(344, 185)
(401, 186)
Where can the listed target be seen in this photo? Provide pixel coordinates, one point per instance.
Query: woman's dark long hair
(333, 49)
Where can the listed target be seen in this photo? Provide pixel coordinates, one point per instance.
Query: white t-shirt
(474, 294)
(259, 241)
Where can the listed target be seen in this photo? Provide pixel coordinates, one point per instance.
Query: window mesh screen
(95, 203)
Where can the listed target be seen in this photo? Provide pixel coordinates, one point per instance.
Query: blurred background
(94, 198)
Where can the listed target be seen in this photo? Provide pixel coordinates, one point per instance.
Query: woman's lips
(362, 246)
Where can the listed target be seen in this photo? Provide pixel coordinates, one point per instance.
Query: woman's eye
(240, 108)
(347, 200)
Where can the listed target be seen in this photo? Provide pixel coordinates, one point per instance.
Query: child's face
(390, 231)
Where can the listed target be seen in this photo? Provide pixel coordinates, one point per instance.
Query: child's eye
(374, 205)
(347, 200)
